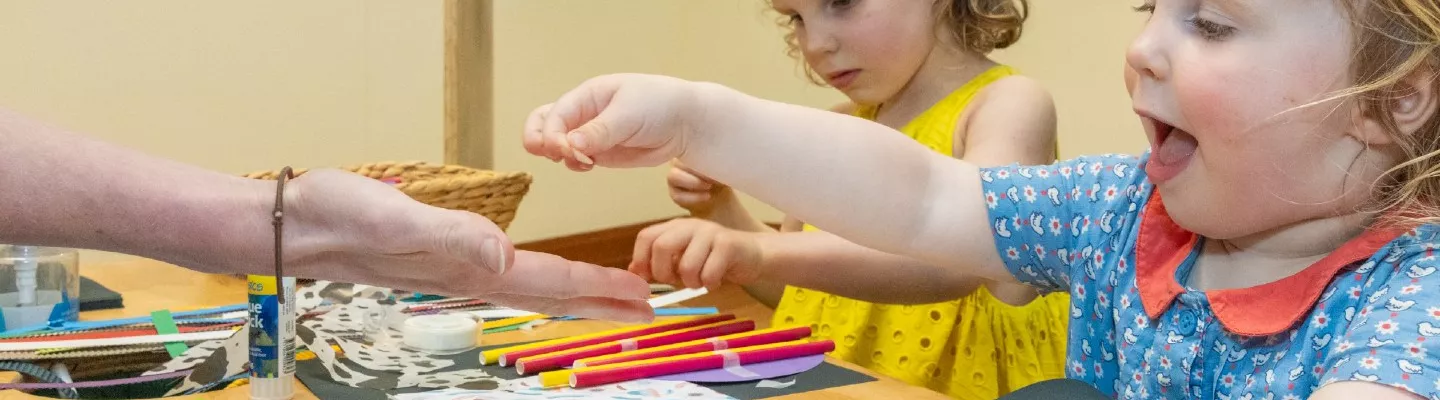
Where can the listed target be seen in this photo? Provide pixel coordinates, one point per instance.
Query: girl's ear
(1415, 104)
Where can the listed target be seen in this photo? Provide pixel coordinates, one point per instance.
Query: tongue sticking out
(1177, 146)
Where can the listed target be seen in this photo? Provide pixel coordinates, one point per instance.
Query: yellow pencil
(511, 321)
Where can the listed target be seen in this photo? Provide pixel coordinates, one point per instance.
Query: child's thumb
(591, 109)
(594, 137)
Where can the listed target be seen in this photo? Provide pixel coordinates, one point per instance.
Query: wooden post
(468, 90)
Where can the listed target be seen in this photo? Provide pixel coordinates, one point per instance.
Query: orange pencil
(745, 339)
(512, 353)
(560, 359)
(592, 376)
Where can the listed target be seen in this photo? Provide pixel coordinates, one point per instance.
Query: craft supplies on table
(506, 355)
(656, 302)
(46, 287)
(732, 360)
(441, 334)
(501, 323)
(658, 349)
(744, 339)
(560, 359)
(272, 337)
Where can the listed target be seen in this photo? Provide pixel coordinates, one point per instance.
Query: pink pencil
(747, 339)
(698, 362)
(508, 357)
(557, 360)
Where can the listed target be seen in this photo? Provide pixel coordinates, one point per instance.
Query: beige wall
(234, 86)
(216, 83)
(1077, 50)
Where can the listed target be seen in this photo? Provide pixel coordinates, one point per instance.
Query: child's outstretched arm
(853, 188)
(694, 253)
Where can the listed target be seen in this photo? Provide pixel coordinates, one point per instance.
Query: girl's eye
(842, 3)
(1211, 30)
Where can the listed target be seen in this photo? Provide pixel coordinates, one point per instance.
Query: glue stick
(272, 338)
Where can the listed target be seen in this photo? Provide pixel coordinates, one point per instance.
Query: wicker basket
(495, 195)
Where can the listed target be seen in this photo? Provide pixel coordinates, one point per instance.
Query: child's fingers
(644, 245)
(694, 259)
(583, 115)
(640, 269)
(534, 137)
(666, 252)
(579, 166)
(556, 148)
(682, 179)
(686, 169)
(689, 198)
(716, 266)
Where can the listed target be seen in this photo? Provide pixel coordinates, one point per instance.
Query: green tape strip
(165, 325)
(515, 327)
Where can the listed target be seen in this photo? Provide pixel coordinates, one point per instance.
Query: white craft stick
(656, 302)
(676, 297)
(120, 341)
(236, 314)
(499, 313)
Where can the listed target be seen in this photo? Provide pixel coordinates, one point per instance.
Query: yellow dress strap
(935, 127)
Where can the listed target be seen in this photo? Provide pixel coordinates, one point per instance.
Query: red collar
(1261, 310)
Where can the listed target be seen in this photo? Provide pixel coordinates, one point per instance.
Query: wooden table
(149, 285)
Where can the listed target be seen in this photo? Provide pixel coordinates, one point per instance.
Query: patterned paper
(209, 362)
(379, 364)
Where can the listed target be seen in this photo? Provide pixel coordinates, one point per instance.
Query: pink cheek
(1211, 110)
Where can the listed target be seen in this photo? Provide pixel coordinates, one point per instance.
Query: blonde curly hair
(1396, 39)
(980, 26)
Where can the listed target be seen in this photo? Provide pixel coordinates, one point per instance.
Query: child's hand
(625, 120)
(691, 190)
(695, 253)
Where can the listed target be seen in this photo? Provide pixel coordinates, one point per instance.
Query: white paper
(655, 302)
(769, 384)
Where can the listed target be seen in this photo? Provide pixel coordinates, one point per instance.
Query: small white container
(441, 334)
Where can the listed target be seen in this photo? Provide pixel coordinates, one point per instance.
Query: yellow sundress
(974, 347)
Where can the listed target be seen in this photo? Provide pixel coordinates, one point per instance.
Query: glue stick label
(272, 329)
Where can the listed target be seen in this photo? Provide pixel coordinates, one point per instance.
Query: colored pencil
(511, 357)
(503, 355)
(678, 311)
(511, 321)
(591, 376)
(560, 359)
(745, 339)
(130, 332)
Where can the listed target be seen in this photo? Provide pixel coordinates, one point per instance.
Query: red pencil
(698, 362)
(564, 344)
(746, 339)
(557, 360)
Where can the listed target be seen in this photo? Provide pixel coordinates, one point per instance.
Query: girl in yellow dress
(922, 69)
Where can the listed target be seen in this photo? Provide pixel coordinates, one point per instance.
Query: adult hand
(345, 227)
